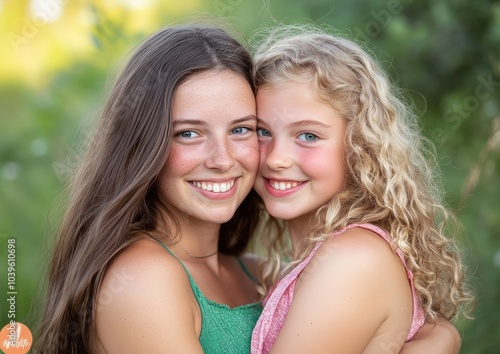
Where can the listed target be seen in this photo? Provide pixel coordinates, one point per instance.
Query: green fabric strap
(245, 269)
(224, 329)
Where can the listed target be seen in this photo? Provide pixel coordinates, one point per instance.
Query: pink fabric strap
(279, 301)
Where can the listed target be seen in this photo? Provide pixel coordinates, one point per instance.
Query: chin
(221, 218)
(280, 212)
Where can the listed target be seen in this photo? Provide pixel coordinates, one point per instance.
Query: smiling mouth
(282, 185)
(214, 187)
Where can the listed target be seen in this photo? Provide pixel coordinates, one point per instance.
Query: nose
(220, 155)
(277, 155)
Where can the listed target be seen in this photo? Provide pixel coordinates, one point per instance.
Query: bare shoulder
(143, 288)
(362, 260)
(143, 265)
(357, 246)
(144, 259)
(347, 280)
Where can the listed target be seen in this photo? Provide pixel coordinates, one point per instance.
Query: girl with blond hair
(343, 163)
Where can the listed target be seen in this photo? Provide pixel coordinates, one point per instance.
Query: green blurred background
(58, 58)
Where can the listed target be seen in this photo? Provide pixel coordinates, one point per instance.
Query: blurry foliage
(444, 54)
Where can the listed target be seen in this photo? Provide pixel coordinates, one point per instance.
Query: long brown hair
(113, 194)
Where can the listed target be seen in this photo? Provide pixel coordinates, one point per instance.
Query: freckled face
(214, 153)
(301, 140)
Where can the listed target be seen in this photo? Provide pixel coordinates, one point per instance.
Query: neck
(196, 240)
(199, 242)
(299, 229)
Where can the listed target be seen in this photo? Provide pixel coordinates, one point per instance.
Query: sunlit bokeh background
(58, 58)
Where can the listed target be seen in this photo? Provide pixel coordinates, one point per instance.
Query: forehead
(211, 82)
(285, 94)
(290, 102)
(214, 93)
(210, 76)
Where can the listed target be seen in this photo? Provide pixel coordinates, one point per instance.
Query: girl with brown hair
(149, 234)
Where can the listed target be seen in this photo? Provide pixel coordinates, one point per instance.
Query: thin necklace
(198, 257)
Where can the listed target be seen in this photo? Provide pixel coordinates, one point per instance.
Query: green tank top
(224, 330)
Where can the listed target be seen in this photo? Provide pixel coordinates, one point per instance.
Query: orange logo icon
(15, 338)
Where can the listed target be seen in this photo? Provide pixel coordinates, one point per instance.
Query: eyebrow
(301, 123)
(202, 122)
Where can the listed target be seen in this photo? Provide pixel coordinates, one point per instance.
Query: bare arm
(145, 305)
(439, 338)
(348, 295)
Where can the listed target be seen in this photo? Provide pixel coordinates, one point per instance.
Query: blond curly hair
(391, 178)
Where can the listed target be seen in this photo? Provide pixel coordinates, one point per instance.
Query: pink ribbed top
(279, 301)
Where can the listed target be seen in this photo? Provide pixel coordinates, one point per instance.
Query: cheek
(181, 160)
(262, 151)
(248, 154)
(323, 164)
(312, 161)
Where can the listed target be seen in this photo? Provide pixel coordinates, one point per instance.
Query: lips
(282, 188)
(214, 186)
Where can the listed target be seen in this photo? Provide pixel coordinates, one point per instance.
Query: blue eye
(187, 134)
(264, 132)
(308, 137)
(240, 130)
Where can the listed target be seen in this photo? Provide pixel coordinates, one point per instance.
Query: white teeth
(283, 185)
(214, 187)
